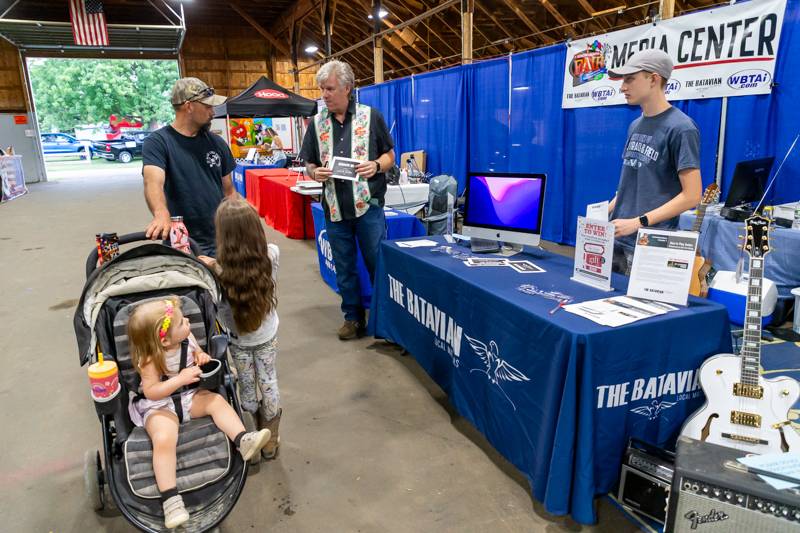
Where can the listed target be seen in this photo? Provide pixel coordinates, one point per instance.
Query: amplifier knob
(772, 508)
(784, 511)
(705, 490)
(717, 492)
(759, 504)
(728, 495)
(796, 515)
(739, 498)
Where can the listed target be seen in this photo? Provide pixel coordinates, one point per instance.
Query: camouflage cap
(194, 90)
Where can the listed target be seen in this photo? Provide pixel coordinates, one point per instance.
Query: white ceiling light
(311, 49)
(382, 14)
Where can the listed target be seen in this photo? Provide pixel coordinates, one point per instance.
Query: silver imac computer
(504, 207)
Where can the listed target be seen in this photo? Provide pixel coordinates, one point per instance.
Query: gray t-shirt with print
(657, 148)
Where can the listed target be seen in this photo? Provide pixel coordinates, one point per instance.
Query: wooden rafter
(587, 7)
(502, 26)
(394, 7)
(281, 46)
(514, 6)
(391, 40)
(559, 17)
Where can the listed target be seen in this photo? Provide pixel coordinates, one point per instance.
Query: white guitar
(743, 410)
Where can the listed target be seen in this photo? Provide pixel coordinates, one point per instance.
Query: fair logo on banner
(729, 51)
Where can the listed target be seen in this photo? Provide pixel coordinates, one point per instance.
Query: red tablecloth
(284, 210)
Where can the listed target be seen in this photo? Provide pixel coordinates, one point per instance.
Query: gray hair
(342, 71)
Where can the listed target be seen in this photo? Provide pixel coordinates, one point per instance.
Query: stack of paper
(783, 464)
(619, 310)
(421, 243)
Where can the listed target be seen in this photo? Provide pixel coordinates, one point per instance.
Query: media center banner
(729, 51)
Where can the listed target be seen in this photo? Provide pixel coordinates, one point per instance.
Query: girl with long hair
(247, 266)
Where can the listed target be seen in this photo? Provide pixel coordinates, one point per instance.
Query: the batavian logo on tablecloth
(653, 410)
(496, 369)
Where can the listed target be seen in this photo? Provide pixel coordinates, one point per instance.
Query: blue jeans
(369, 230)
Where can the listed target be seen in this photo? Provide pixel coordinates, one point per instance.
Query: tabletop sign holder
(594, 251)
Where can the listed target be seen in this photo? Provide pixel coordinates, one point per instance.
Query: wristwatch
(643, 221)
(377, 166)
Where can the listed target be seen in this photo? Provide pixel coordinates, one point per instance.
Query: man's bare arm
(154, 178)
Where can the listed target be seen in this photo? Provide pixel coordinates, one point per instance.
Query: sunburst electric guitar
(698, 286)
(743, 410)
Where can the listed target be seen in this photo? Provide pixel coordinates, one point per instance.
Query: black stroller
(210, 473)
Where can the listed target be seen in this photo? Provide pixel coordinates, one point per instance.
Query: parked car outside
(123, 149)
(61, 143)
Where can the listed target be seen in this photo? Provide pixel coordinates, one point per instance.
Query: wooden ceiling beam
(514, 6)
(559, 17)
(587, 7)
(279, 45)
(394, 7)
(501, 26)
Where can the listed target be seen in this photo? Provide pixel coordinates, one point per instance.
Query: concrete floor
(369, 443)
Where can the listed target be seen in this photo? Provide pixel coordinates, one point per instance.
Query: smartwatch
(643, 221)
(377, 166)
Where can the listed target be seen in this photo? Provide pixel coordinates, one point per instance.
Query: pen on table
(561, 304)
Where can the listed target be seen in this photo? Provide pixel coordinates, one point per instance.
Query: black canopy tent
(265, 98)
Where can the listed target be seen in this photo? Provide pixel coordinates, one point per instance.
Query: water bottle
(403, 176)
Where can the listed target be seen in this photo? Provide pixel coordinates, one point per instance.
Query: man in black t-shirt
(187, 169)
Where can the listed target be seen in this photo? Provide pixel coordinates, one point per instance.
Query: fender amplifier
(645, 479)
(707, 496)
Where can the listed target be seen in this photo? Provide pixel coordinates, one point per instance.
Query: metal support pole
(467, 11)
(378, 43)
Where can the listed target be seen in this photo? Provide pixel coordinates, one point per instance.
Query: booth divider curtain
(504, 115)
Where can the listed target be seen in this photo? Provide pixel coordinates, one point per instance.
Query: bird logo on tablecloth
(653, 410)
(497, 370)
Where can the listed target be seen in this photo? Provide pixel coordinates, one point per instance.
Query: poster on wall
(726, 51)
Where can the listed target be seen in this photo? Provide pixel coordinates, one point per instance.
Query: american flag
(88, 22)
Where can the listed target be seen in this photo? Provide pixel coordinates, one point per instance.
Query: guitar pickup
(748, 391)
(746, 419)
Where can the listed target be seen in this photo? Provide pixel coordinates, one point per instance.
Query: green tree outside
(69, 92)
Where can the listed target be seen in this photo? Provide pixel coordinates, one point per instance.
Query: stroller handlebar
(91, 261)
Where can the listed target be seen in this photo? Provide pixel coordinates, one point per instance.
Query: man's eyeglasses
(204, 93)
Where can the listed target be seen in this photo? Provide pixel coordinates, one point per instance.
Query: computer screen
(749, 181)
(506, 202)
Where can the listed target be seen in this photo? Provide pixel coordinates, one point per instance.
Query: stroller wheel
(93, 481)
(250, 425)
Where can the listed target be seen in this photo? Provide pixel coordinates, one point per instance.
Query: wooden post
(467, 11)
(666, 9)
(378, 46)
(293, 44)
(326, 26)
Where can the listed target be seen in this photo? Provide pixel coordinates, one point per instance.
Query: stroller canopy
(145, 268)
(265, 98)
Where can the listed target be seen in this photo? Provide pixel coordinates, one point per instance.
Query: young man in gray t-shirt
(660, 176)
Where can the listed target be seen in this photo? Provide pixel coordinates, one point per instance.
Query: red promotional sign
(271, 94)
(20, 119)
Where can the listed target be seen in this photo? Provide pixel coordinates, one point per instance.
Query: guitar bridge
(748, 391)
(746, 419)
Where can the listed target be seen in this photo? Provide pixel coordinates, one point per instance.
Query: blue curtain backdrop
(504, 115)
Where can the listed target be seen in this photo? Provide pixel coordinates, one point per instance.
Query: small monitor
(504, 207)
(749, 181)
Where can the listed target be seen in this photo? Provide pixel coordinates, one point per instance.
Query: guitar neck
(751, 348)
(698, 221)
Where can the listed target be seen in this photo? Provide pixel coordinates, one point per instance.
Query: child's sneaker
(175, 513)
(251, 443)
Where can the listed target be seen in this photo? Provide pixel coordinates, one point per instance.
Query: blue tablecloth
(238, 175)
(557, 395)
(719, 242)
(398, 226)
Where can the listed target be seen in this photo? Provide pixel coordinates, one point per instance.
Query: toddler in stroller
(207, 471)
(166, 356)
